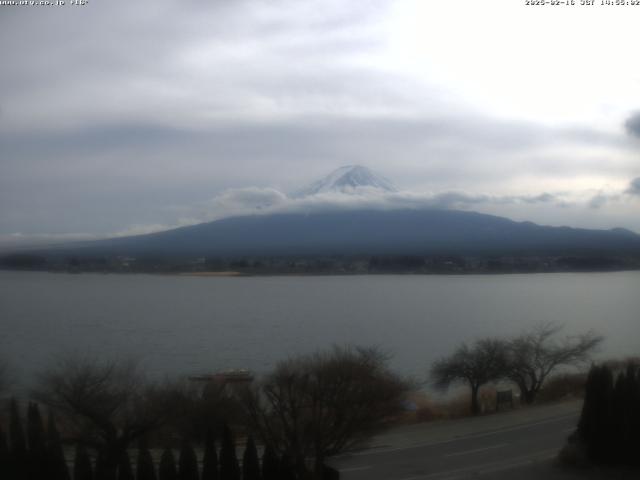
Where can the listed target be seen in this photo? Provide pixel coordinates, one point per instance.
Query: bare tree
(482, 362)
(107, 404)
(536, 354)
(197, 408)
(315, 406)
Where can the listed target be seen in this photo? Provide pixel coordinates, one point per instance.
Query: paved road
(493, 445)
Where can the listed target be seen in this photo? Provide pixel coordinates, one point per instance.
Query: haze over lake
(189, 325)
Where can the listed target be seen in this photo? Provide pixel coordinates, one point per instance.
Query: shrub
(558, 387)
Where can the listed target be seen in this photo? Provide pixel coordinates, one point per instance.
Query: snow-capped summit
(347, 180)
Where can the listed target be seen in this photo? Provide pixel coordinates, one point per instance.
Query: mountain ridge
(360, 231)
(366, 232)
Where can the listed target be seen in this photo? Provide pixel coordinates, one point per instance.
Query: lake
(188, 325)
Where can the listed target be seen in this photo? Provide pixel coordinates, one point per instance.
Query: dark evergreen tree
(286, 469)
(618, 422)
(105, 469)
(145, 470)
(18, 450)
(100, 467)
(610, 418)
(167, 469)
(330, 473)
(188, 462)
(630, 414)
(634, 421)
(229, 469)
(250, 462)
(586, 423)
(125, 472)
(601, 447)
(58, 469)
(4, 456)
(210, 459)
(269, 464)
(37, 450)
(82, 469)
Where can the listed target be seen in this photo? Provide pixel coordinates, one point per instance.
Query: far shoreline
(240, 274)
(230, 273)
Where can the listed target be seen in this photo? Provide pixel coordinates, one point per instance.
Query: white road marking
(476, 450)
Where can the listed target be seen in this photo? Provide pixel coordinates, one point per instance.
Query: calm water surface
(178, 324)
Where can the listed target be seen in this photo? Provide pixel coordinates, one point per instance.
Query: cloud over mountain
(348, 188)
(351, 188)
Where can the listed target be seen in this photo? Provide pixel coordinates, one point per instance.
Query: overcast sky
(132, 116)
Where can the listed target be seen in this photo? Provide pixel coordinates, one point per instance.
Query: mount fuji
(362, 231)
(347, 179)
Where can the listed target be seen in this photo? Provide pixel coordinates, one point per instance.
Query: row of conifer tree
(39, 455)
(610, 422)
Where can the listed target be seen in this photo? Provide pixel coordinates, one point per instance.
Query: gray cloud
(102, 178)
(159, 106)
(157, 61)
(599, 201)
(105, 178)
(602, 198)
(255, 201)
(541, 198)
(634, 187)
(632, 125)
